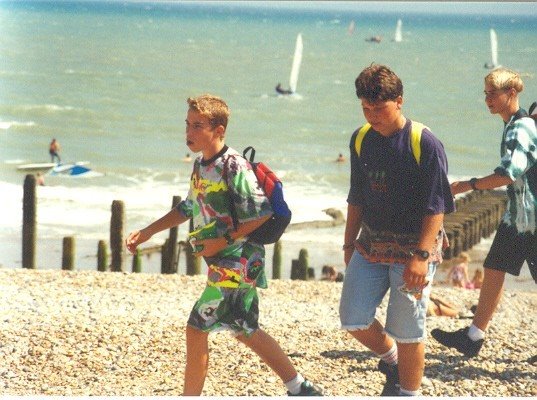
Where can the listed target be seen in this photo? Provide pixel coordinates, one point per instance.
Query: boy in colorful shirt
(516, 238)
(235, 264)
(396, 204)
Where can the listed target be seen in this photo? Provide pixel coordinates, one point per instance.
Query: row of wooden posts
(477, 216)
(170, 251)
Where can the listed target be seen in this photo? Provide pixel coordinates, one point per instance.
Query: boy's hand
(135, 238)
(457, 187)
(415, 273)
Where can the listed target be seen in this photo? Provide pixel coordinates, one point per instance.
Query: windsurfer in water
(54, 149)
(280, 90)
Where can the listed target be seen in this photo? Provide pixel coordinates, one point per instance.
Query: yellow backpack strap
(360, 137)
(415, 139)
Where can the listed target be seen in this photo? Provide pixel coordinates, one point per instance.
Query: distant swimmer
(374, 39)
(340, 158)
(54, 150)
(187, 158)
(280, 90)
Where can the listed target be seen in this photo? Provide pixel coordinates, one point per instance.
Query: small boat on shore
(73, 170)
(36, 166)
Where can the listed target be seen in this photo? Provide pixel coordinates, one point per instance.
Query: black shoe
(458, 340)
(307, 389)
(473, 309)
(391, 387)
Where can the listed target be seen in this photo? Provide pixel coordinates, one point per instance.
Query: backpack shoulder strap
(415, 139)
(360, 137)
(231, 203)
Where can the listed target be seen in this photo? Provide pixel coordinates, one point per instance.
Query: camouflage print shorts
(221, 308)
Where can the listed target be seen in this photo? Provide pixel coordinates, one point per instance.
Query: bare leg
(374, 338)
(271, 353)
(489, 297)
(197, 361)
(411, 364)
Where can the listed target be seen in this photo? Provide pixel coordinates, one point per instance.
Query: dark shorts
(510, 249)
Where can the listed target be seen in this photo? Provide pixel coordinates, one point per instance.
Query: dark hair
(378, 83)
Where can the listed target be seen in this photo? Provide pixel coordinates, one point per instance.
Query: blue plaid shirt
(519, 162)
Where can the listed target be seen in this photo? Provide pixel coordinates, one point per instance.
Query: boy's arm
(213, 246)
(492, 181)
(171, 219)
(416, 270)
(352, 227)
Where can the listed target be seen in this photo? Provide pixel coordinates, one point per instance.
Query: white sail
(297, 60)
(494, 48)
(398, 37)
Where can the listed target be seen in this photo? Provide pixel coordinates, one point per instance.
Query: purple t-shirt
(393, 190)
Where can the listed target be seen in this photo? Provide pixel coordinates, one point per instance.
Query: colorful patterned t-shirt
(209, 204)
(519, 162)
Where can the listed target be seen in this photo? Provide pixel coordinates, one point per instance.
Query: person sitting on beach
(329, 273)
(398, 206)
(54, 150)
(458, 274)
(441, 308)
(516, 237)
(477, 280)
(235, 264)
(340, 158)
(40, 179)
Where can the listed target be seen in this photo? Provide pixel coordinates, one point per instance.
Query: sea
(109, 80)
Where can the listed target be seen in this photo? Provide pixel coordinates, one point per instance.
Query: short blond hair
(212, 107)
(504, 79)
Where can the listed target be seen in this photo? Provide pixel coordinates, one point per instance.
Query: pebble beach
(91, 333)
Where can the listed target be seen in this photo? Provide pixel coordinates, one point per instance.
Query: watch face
(423, 254)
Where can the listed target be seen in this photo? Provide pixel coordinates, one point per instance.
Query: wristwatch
(423, 254)
(473, 182)
(229, 239)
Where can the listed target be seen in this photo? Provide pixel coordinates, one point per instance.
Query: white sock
(409, 392)
(294, 384)
(390, 357)
(475, 333)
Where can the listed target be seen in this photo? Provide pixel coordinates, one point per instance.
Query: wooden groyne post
(102, 256)
(170, 254)
(68, 253)
(477, 216)
(277, 261)
(29, 222)
(300, 267)
(116, 236)
(137, 261)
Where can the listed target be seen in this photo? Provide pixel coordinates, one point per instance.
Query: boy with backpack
(397, 200)
(516, 237)
(235, 264)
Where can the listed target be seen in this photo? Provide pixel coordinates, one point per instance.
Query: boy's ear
(399, 102)
(220, 131)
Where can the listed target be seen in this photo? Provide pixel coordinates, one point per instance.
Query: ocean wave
(5, 125)
(33, 110)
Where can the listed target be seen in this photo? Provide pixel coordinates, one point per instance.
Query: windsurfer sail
(295, 68)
